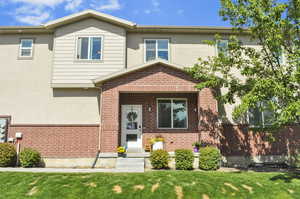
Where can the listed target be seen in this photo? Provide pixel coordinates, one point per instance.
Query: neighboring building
(91, 82)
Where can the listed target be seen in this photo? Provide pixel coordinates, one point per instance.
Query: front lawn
(156, 185)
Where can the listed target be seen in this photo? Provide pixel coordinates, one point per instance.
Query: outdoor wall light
(149, 108)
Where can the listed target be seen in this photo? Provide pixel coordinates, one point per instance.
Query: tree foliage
(264, 74)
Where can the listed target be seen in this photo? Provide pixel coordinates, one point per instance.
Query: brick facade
(239, 140)
(59, 141)
(144, 87)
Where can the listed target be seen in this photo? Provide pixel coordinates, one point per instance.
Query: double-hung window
(260, 116)
(26, 48)
(156, 49)
(172, 113)
(89, 48)
(222, 47)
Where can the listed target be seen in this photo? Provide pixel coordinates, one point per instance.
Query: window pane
(163, 55)
(25, 52)
(84, 47)
(26, 43)
(164, 113)
(255, 117)
(179, 114)
(150, 44)
(95, 48)
(163, 44)
(268, 114)
(150, 55)
(222, 47)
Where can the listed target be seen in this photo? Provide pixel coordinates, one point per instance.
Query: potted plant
(157, 143)
(121, 151)
(196, 146)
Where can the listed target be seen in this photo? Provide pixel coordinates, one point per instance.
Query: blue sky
(143, 12)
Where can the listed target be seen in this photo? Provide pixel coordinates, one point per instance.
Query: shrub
(30, 158)
(184, 159)
(159, 159)
(295, 160)
(8, 155)
(209, 158)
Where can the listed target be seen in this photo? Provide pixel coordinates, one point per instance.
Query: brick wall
(238, 140)
(60, 141)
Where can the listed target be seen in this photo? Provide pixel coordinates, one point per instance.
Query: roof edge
(88, 13)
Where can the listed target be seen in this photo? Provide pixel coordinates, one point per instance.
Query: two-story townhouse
(78, 87)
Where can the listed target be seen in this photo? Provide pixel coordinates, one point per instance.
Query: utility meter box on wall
(19, 135)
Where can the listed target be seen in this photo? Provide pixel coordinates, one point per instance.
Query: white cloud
(33, 19)
(148, 11)
(50, 3)
(28, 9)
(155, 7)
(108, 5)
(35, 12)
(155, 3)
(73, 5)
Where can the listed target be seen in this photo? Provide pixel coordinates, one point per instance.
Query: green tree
(265, 78)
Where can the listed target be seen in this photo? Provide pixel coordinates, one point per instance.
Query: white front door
(131, 135)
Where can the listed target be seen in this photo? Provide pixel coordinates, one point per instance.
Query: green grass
(195, 185)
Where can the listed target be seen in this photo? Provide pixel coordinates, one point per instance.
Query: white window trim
(26, 48)
(156, 49)
(187, 112)
(216, 46)
(89, 36)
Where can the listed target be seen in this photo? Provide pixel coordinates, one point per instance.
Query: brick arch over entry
(157, 78)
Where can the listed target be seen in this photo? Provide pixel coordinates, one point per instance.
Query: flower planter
(157, 146)
(196, 149)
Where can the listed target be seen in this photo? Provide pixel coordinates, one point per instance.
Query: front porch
(157, 118)
(167, 105)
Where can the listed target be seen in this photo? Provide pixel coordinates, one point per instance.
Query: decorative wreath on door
(131, 116)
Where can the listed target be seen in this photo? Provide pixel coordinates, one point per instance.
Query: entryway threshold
(70, 170)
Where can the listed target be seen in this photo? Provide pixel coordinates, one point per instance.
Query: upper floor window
(26, 48)
(156, 48)
(89, 48)
(222, 47)
(260, 116)
(172, 113)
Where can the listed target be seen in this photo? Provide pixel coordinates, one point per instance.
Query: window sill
(25, 58)
(88, 61)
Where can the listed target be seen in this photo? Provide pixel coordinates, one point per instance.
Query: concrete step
(138, 155)
(130, 164)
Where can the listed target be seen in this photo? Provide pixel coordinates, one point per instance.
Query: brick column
(208, 117)
(110, 120)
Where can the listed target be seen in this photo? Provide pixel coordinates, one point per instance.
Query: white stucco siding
(25, 87)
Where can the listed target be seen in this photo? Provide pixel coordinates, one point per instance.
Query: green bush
(184, 159)
(8, 155)
(295, 160)
(209, 158)
(159, 159)
(30, 158)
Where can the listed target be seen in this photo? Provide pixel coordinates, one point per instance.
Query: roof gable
(102, 79)
(88, 14)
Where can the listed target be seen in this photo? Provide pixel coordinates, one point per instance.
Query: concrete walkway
(69, 170)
